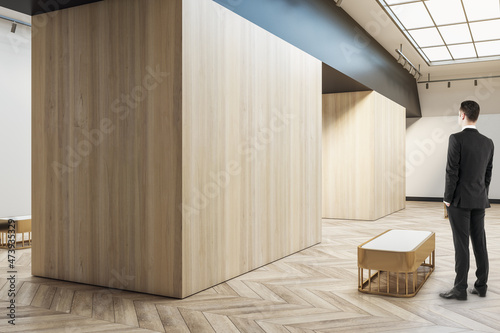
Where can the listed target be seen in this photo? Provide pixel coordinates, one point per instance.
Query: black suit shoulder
(472, 134)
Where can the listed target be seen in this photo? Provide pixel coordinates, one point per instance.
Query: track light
(449, 81)
(407, 64)
(14, 27)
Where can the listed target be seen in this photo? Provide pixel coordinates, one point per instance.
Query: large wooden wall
(211, 170)
(105, 209)
(252, 100)
(363, 156)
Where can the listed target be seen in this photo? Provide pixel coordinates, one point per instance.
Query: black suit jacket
(468, 169)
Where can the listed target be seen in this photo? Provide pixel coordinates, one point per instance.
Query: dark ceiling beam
(328, 33)
(35, 7)
(336, 82)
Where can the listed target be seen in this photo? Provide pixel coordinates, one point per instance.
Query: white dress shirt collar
(469, 126)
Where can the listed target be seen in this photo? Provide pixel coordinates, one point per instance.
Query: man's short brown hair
(471, 110)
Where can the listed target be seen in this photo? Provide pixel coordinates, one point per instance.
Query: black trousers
(465, 223)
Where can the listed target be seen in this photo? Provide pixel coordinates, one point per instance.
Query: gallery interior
(225, 165)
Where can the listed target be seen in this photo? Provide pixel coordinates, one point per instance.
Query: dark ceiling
(34, 7)
(336, 82)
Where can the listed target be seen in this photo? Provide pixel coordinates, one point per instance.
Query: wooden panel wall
(107, 145)
(251, 146)
(390, 155)
(203, 176)
(348, 164)
(363, 156)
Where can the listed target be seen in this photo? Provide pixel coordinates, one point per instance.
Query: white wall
(15, 120)
(427, 137)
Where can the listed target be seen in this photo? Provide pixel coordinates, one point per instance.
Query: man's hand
(447, 204)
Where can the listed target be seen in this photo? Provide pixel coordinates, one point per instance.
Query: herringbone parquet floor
(310, 291)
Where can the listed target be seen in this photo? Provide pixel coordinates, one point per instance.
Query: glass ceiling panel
(486, 49)
(462, 51)
(437, 53)
(482, 9)
(446, 11)
(449, 31)
(485, 30)
(454, 34)
(427, 37)
(413, 15)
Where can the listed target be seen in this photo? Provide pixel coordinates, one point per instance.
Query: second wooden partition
(363, 156)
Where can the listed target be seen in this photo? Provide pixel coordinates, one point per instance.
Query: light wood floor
(311, 291)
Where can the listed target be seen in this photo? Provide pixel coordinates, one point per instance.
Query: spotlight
(14, 27)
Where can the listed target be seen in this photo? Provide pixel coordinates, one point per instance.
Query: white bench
(398, 259)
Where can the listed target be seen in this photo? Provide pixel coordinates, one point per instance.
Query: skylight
(449, 31)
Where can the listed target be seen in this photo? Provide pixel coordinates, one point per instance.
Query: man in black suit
(468, 176)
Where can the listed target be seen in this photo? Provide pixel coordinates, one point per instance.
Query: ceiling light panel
(427, 37)
(485, 30)
(446, 11)
(488, 49)
(482, 9)
(462, 51)
(454, 34)
(413, 15)
(437, 53)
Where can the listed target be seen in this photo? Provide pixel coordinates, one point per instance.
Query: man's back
(468, 172)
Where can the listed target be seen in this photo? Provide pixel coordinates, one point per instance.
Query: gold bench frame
(389, 264)
(22, 227)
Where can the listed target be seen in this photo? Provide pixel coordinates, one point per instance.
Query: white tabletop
(398, 240)
(16, 218)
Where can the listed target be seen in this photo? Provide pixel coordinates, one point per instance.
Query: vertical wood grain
(111, 217)
(363, 156)
(390, 152)
(252, 101)
(348, 156)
